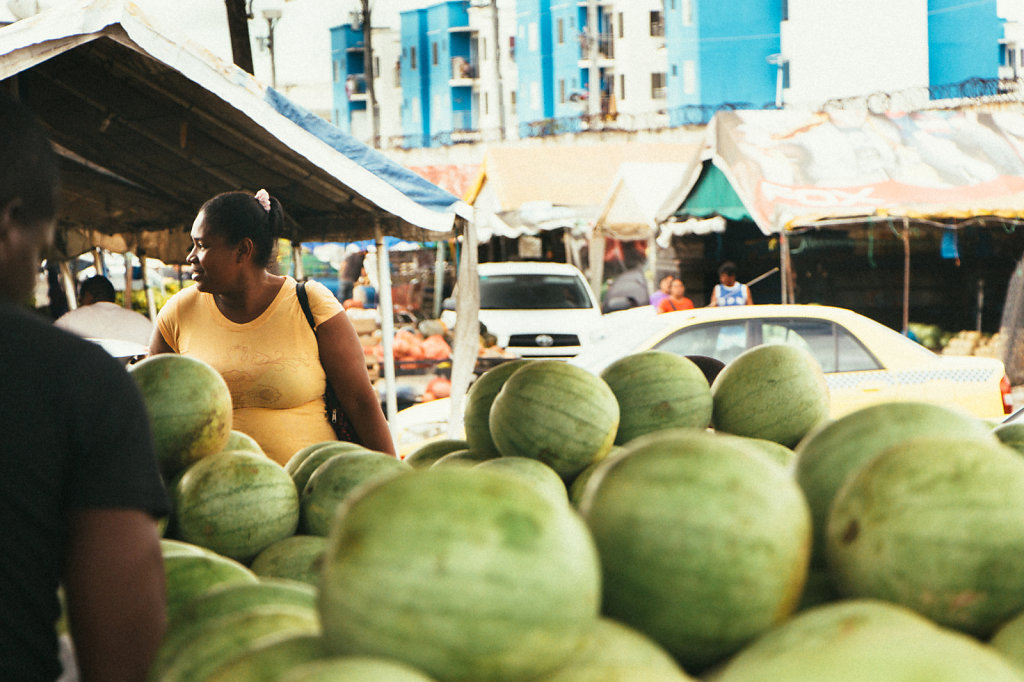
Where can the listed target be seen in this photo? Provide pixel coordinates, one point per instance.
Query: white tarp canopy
(637, 191)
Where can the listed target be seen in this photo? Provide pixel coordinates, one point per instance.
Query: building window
(687, 12)
(622, 26)
(483, 49)
(433, 54)
(412, 58)
(532, 37)
(512, 100)
(535, 96)
(376, 66)
(561, 91)
(657, 25)
(487, 104)
(675, 71)
(561, 31)
(689, 77)
(622, 86)
(671, 4)
(658, 89)
(336, 70)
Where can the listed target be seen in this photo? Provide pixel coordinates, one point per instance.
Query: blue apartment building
(718, 53)
(440, 65)
(963, 38)
(553, 60)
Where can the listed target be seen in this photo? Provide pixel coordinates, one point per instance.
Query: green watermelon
(1009, 641)
(428, 453)
(1011, 434)
(355, 669)
(191, 575)
(776, 392)
(298, 557)
(467, 457)
(194, 618)
(300, 456)
(618, 653)
(827, 456)
(537, 474)
(656, 390)
(555, 412)
(300, 473)
(268, 662)
(222, 639)
(492, 580)
(189, 408)
(242, 441)
(579, 483)
(235, 503)
(337, 478)
(937, 525)
(477, 411)
(171, 547)
(704, 543)
(865, 641)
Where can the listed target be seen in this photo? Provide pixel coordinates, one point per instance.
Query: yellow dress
(271, 364)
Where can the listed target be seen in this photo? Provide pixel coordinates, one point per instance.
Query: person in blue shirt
(728, 291)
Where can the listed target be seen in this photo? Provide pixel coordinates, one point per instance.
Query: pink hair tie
(264, 198)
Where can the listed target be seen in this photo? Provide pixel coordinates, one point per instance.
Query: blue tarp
(414, 186)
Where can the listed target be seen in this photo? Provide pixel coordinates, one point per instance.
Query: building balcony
(355, 87)
(605, 47)
(464, 72)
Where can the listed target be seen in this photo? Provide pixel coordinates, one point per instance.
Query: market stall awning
(526, 189)
(151, 125)
(794, 168)
(637, 191)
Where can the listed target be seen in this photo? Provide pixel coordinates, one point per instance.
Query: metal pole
(497, 70)
(981, 304)
(371, 98)
(784, 263)
(438, 279)
(387, 321)
(271, 20)
(128, 259)
(906, 275)
(594, 71)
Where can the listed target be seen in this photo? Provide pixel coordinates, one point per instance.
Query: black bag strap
(300, 292)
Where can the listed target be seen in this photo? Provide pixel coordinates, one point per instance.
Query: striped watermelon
(656, 390)
(462, 573)
(235, 503)
(776, 392)
(189, 408)
(555, 412)
(477, 412)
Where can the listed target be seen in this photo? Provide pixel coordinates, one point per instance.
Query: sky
(301, 37)
(302, 42)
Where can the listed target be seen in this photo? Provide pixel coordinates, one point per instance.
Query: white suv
(537, 310)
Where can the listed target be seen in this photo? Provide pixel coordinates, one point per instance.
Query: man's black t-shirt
(74, 434)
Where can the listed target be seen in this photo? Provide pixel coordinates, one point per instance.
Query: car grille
(539, 340)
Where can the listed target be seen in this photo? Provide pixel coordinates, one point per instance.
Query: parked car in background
(864, 361)
(535, 309)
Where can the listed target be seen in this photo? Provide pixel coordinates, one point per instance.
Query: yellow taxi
(864, 361)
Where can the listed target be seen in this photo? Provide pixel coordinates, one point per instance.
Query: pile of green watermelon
(642, 524)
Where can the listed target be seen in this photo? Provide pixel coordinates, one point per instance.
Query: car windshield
(532, 292)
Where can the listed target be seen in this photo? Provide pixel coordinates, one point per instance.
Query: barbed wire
(970, 92)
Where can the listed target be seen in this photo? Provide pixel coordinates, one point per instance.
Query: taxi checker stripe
(960, 376)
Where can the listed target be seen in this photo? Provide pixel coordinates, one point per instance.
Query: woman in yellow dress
(247, 323)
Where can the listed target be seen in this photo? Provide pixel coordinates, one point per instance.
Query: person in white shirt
(729, 291)
(99, 317)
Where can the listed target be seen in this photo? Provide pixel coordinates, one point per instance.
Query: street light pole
(272, 16)
(371, 98)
